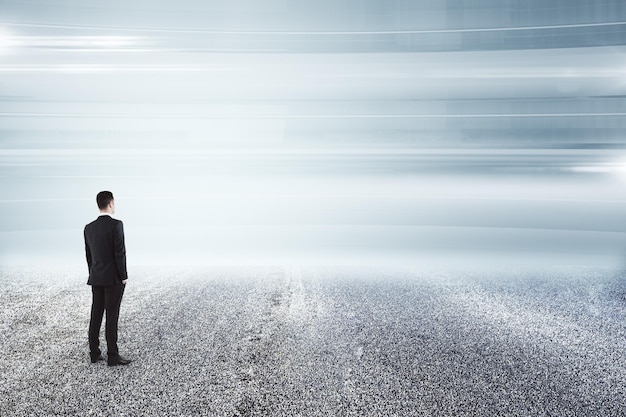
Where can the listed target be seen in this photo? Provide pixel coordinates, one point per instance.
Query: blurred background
(283, 131)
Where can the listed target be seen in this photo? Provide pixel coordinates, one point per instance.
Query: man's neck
(104, 213)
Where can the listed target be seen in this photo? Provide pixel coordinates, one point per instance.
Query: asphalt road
(316, 342)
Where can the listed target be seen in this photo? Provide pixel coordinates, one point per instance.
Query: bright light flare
(615, 168)
(92, 43)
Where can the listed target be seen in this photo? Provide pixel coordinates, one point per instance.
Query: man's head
(105, 201)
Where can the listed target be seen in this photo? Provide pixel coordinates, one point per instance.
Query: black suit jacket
(105, 250)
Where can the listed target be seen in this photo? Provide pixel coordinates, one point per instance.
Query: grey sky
(277, 131)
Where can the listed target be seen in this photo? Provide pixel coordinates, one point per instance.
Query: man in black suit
(106, 258)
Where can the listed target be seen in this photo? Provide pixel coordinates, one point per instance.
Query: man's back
(106, 258)
(105, 251)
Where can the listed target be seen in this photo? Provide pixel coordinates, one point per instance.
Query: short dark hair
(103, 199)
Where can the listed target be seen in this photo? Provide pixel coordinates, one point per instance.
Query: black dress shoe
(95, 359)
(118, 360)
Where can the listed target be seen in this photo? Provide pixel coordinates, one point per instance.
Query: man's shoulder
(113, 223)
(101, 220)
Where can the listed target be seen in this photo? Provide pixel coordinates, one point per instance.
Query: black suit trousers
(106, 299)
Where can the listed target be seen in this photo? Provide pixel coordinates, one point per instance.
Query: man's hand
(124, 282)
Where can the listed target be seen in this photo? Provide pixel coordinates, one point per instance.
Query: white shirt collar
(104, 214)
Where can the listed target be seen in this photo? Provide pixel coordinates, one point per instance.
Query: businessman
(106, 259)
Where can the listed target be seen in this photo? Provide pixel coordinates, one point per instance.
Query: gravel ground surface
(318, 342)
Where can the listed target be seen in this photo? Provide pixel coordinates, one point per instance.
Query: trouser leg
(97, 310)
(113, 299)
